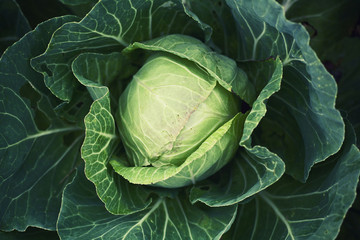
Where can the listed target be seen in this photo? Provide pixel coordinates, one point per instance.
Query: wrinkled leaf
(217, 15)
(305, 105)
(311, 210)
(119, 196)
(255, 167)
(83, 216)
(37, 151)
(110, 26)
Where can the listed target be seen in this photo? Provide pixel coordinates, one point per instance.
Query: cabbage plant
(167, 119)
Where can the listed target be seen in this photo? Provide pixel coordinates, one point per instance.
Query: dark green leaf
(255, 167)
(120, 197)
(83, 216)
(245, 176)
(305, 105)
(37, 151)
(216, 14)
(109, 27)
(311, 210)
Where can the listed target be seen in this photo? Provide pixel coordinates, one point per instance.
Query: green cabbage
(169, 108)
(168, 119)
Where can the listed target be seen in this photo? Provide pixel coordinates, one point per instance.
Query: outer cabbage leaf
(307, 95)
(344, 58)
(297, 122)
(312, 210)
(83, 216)
(38, 151)
(305, 105)
(246, 175)
(217, 15)
(338, 47)
(255, 167)
(100, 142)
(108, 27)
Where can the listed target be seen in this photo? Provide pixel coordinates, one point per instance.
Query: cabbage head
(169, 109)
(175, 117)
